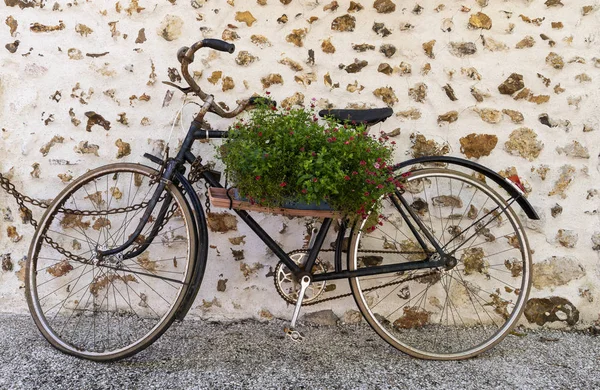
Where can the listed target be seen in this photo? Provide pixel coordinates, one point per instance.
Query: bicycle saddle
(368, 116)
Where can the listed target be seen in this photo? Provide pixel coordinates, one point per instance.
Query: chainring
(288, 287)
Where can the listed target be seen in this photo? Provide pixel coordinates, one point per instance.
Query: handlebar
(185, 55)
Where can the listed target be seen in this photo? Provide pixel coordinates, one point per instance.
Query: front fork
(163, 181)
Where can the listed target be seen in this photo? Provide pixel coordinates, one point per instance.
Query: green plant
(276, 155)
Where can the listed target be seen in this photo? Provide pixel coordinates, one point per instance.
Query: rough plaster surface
(453, 83)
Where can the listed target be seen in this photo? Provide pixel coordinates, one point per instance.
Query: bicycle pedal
(294, 335)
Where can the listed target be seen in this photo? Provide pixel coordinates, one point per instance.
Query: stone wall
(510, 84)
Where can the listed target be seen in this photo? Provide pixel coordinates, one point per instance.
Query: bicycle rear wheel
(444, 314)
(113, 308)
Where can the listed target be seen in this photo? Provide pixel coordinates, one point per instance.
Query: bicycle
(120, 253)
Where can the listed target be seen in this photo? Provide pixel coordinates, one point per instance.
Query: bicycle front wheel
(111, 308)
(444, 314)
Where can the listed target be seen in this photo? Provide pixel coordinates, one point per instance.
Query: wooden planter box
(218, 198)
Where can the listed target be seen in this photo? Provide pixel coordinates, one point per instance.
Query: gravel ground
(200, 355)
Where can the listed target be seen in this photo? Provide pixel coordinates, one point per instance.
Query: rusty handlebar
(185, 55)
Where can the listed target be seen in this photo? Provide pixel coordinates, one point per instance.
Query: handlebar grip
(219, 45)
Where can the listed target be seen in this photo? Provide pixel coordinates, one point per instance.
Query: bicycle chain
(340, 296)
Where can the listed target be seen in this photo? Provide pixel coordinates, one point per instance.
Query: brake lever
(185, 90)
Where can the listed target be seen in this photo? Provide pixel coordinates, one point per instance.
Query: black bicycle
(120, 253)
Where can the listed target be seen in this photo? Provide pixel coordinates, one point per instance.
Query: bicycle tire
(467, 309)
(147, 290)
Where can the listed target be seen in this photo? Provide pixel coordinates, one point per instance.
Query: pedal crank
(291, 331)
(294, 335)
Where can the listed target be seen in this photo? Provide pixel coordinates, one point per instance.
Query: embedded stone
(574, 149)
(512, 84)
(244, 58)
(567, 173)
(478, 94)
(222, 285)
(331, 6)
(449, 117)
(297, 99)
(493, 45)
(363, 47)
(221, 222)
(327, 46)
(86, 148)
(321, 318)
(381, 30)
(40, 28)
(412, 318)
(245, 17)
(271, 79)
(141, 37)
(428, 48)
(385, 68)
(283, 19)
(388, 50)
(526, 42)
(57, 139)
(555, 61)
(587, 9)
(293, 65)
(170, 27)
(75, 54)
(229, 35)
(387, 95)
(450, 92)
(523, 142)
(557, 25)
(12, 47)
(297, 36)
(7, 264)
(384, 6)
(260, 40)
(462, 49)
(480, 20)
(418, 93)
(583, 78)
(352, 317)
(355, 7)
(356, 66)
(412, 114)
(344, 23)
(403, 69)
(96, 119)
(478, 145)
(83, 30)
(228, 84)
(422, 146)
(215, 76)
(553, 309)
(553, 3)
(567, 238)
(556, 210)
(489, 115)
(447, 25)
(12, 25)
(515, 116)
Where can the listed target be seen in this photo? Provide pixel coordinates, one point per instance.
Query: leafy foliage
(279, 155)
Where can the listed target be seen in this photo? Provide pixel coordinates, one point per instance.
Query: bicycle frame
(174, 169)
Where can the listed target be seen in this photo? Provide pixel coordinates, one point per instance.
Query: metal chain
(365, 290)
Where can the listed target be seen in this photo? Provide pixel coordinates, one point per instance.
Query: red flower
(260, 133)
(354, 173)
(304, 191)
(257, 177)
(315, 179)
(380, 186)
(367, 193)
(268, 93)
(302, 149)
(283, 184)
(346, 177)
(363, 162)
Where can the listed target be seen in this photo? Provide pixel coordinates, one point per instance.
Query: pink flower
(354, 173)
(346, 177)
(376, 165)
(380, 186)
(363, 162)
(283, 184)
(304, 191)
(315, 179)
(257, 177)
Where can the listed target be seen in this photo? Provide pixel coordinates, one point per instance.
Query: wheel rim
(114, 308)
(446, 314)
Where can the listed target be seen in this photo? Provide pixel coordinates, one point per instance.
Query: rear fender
(506, 184)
